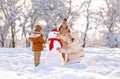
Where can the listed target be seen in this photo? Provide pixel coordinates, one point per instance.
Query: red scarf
(52, 42)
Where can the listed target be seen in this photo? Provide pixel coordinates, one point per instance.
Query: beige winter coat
(74, 48)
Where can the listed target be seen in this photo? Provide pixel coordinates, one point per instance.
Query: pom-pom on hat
(65, 21)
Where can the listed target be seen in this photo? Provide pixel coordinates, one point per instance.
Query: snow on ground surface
(98, 63)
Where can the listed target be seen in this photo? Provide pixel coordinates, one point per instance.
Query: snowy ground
(102, 63)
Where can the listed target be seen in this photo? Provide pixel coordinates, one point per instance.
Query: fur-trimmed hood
(33, 35)
(37, 41)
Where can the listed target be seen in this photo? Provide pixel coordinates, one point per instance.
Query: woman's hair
(64, 22)
(61, 27)
(38, 28)
(65, 28)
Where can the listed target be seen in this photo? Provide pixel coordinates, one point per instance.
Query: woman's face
(64, 26)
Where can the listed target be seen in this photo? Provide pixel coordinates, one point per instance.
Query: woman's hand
(58, 35)
(58, 48)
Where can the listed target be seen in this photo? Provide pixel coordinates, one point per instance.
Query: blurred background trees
(98, 22)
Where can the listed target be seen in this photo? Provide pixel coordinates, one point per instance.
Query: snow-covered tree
(3, 23)
(49, 10)
(74, 11)
(11, 10)
(19, 17)
(47, 29)
(112, 21)
(88, 16)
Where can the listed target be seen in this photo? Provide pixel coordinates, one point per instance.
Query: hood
(35, 35)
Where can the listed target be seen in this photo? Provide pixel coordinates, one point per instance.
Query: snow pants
(37, 57)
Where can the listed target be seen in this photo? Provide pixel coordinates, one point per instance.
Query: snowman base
(53, 58)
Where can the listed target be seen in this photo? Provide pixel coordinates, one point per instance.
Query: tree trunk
(13, 36)
(13, 41)
(2, 41)
(84, 39)
(26, 39)
(87, 25)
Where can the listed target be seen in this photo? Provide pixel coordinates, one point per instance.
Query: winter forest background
(97, 21)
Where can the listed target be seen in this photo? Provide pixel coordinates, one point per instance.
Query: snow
(98, 63)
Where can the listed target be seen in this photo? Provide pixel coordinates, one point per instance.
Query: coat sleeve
(42, 41)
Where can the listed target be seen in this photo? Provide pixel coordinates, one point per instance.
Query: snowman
(53, 57)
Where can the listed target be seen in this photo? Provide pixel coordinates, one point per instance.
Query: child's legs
(37, 57)
(35, 63)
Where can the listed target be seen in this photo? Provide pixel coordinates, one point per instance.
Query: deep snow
(98, 63)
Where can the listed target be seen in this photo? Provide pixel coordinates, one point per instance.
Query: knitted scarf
(51, 45)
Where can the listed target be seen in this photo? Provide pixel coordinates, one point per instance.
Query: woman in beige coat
(71, 44)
